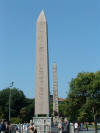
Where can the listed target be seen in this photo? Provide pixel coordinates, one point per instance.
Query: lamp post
(11, 85)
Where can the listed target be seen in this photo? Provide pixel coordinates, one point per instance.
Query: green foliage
(27, 112)
(4, 99)
(83, 102)
(21, 107)
(51, 108)
(17, 101)
(16, 120)
(62, 109)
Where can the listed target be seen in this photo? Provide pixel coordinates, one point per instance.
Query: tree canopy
(22, 108)
(83, 102)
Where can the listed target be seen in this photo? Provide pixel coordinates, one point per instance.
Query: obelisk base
(42, 124)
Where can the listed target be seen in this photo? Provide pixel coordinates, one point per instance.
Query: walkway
(89, 131)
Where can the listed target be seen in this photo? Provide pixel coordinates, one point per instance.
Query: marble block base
(42, 124)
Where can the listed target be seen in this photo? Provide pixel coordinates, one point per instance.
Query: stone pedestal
(42, 124)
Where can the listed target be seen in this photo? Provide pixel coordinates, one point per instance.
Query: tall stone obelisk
(42, 67)
(55, 90)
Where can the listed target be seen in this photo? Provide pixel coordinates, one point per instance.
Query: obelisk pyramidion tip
(41, 17)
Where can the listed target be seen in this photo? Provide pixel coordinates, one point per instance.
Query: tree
(21, 107)
(62, 110)
(84, 97)
(27, 112)
(51, 108)
(17, 102)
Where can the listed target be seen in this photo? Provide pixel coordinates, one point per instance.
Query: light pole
(11, 85)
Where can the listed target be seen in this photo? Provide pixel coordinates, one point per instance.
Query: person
(87, 126)
(10, 127)
(31, 128)
(19, 128)
(6, 127)
(35, 130)
(79, 125)
(60, 127)
(26, 129)
(0, 126)
(68, 126)
(76, 127)
(13, 130)
(63, 125)
(3, 127)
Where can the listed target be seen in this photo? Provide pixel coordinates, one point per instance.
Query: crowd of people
(7, 127)
(63, 127)
(79, 126)
(66, 127)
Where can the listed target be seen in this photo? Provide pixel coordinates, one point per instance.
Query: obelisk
(42, 67)
(55, 89)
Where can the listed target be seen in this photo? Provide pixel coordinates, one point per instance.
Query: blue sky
(73, 36)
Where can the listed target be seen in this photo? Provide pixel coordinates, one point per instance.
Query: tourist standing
(67, 127)
(76, 127)
(35, 130)
(26, 128)
(81, 125)
(13, 130)
(31, 128)
(0, 127)
(60, 127)
(3, 127)
(87, 126)
(6, 127)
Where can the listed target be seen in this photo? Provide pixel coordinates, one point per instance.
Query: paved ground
(55, 130)
(89, 131)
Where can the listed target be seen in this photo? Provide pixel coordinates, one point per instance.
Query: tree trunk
(95, 127)
(95, 123)
(95, 119)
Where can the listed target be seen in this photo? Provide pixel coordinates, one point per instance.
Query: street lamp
(11, 85)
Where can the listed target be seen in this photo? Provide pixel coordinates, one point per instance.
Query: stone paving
(55, 130)
(89, 131)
